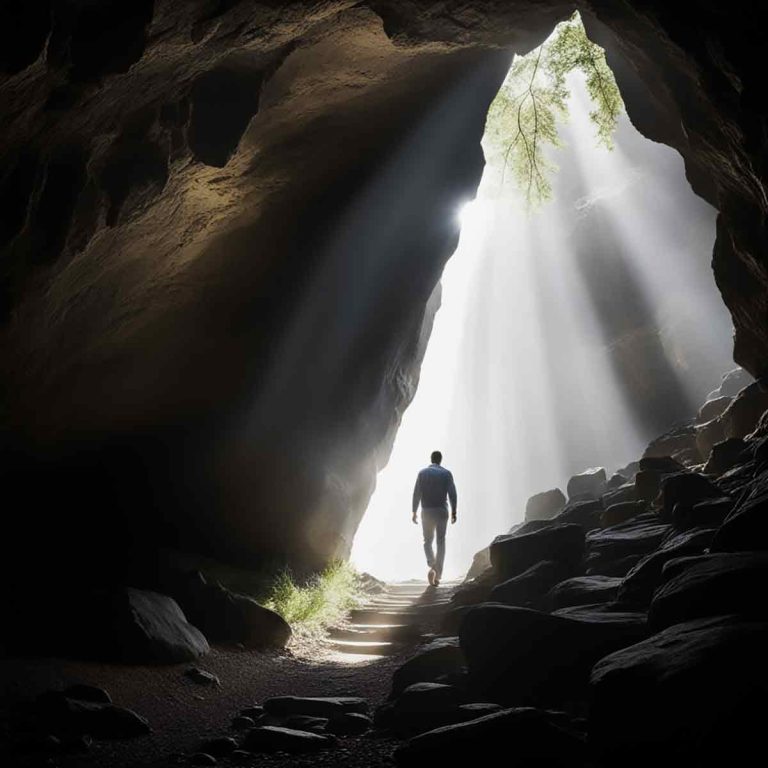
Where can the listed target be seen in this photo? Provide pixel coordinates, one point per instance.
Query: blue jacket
(433, 484)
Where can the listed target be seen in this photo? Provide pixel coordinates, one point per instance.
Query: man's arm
(416, 496)
(452, 497)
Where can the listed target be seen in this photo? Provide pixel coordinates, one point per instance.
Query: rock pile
(639, 604)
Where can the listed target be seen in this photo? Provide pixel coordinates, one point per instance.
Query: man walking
(433, 484)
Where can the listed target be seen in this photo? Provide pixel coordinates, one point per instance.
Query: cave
(224, 225)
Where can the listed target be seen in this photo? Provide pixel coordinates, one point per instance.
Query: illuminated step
(376, 633)
(366, 648)
(364, 616)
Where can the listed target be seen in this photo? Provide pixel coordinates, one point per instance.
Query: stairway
(390, 621)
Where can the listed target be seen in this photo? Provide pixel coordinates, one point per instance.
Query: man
(433, 484)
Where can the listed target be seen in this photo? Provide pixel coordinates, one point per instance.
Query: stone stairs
(390, 621)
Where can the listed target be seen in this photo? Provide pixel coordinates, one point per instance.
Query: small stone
(202, 758)
(219, 747)
(201, 677)
(240, 756)
(283, 706)
(243, 723)
(252, 712)
(349, 724)
(271, 738)
(306, 723)
(91, 693)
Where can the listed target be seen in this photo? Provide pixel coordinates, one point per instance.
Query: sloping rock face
(187, 187)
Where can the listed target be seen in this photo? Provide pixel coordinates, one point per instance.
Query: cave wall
(222, 227)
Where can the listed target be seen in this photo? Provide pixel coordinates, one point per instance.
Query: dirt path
(357, 659)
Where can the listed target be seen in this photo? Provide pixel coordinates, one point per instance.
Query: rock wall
(222, 226)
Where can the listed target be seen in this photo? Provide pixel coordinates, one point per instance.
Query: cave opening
(576, 324)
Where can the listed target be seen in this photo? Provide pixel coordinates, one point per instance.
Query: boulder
(439, 657)
(590, 484)
(521, 656)
(743, 414)
(630, 470)
(97, 719)
(219, 747)
(708, 434)
(322, 706)
(746, 527)
(536, 737)
(273, 738)
(584, 590)
(545, 505)
(511, 555)
(305, 723)
(666, 465)
(638, 586)
(725, 455)
(598, 565)
(713, 408)
(716, 585)
(422, 707)
(695, 690)
(679, 443)
(685, 488)
(480, 563)
(583, 513)
(623, 493)
(530, 588)
(349, 724)
(615, 481)
(621, 512)
(475, 590)
(704, 514)
(733, 382)
(648, 484)
(229, 617)
(636, 537)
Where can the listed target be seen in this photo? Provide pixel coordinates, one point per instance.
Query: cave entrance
(579, 319)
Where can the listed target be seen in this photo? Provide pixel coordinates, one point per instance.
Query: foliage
(320, 601)
(523, 118)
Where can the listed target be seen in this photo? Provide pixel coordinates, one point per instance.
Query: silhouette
(434, 485)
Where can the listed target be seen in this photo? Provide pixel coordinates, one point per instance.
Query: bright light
(522, 384)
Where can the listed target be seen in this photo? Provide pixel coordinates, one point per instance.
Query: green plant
(318, 602)
(523, 117)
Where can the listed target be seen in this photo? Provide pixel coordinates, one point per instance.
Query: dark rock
(686, 488)
(734, 382)
(225, 616)
(712, 409)
(537, 737)
(243, 723)
(517, 655)
(545, 505)
(583, 513)
(203, 758)
(91, 693)
(425, 706)
(240, 756)
(620, 495)
(666, 465)
(743, 414)
(639, 584)
(349, 724)
(599, 565)
(615, 481)
(220, 747)
(480, 562)
(475, 590)
(696, 689)
(511, 555)
(590, 484)
(254, 711)
(273, 738)
(102, 721)
(584, 590)
(630, 470)
(648, 484)
(306, 723)
(621, 512)
(707, 435)
(201, 677)
(449, 626)
(715, 585)
(746, 527)
(678, 443)
(530, 588)
(439, 657)
(639, 536)
(704, 514)
(725, 455)
(283, 706)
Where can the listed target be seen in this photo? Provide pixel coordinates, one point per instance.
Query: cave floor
(183, 713)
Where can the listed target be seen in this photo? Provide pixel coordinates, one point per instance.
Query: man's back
(435, 484)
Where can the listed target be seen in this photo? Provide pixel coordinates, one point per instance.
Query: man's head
(436, 457)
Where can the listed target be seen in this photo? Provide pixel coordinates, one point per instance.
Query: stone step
(373, 633)
(364, 616)
(366, 648)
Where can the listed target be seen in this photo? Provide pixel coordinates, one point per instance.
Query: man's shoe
(436, 581)
(431, 576)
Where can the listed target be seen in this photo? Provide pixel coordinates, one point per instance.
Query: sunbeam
(566, 339)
